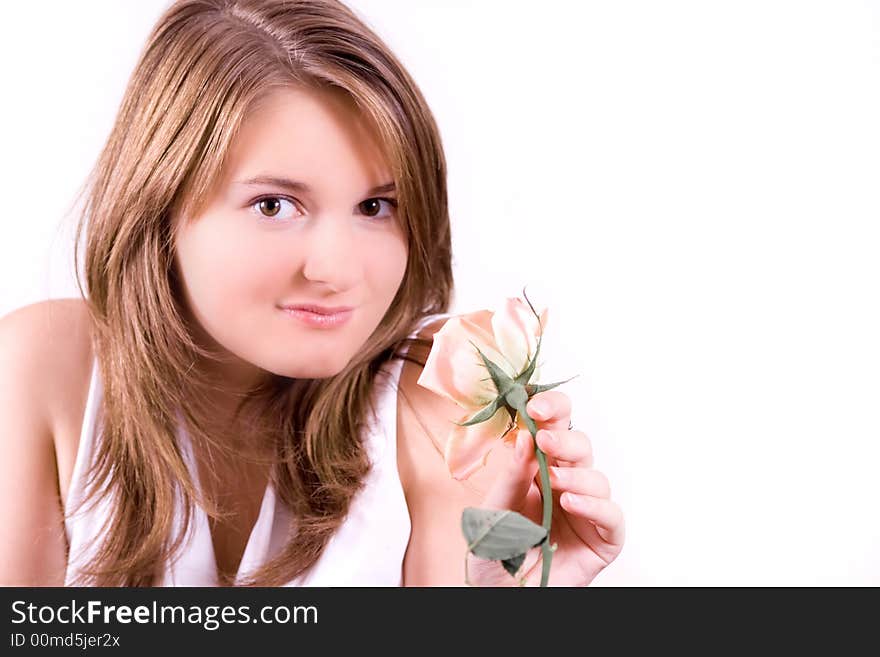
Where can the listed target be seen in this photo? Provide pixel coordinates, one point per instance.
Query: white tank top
(366, 550)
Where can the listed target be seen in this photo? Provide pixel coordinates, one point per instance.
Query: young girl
(234, 400)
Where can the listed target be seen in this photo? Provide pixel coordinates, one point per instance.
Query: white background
(691, 187)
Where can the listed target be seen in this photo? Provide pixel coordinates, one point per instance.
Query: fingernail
(540, 408)
(548, 436)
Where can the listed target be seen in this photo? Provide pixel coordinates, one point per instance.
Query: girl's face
(304, 214)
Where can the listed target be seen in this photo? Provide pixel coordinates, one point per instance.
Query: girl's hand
(586, 525)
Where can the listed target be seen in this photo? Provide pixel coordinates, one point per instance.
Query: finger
(582, 481)
(572, 447)
(550, 409)
(604, 513)
(513, 483)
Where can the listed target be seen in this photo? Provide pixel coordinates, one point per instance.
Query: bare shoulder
(50, 342)
(435, 500)
(44, 356)
(48, 324)
(46, 351)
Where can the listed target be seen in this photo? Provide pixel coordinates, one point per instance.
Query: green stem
(547, 495)
(546, 491)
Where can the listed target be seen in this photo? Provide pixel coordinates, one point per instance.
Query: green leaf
(499, 535)
(484, 414)
(534, 312)
(535, 388)
(513, 564)
(526, 374)
(499, 377)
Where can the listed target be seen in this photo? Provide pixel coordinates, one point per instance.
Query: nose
(331, 252)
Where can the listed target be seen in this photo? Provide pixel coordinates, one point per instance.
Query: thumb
(512, 485)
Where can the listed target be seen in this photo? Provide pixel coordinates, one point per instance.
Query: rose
(505, 345)
(509, 338)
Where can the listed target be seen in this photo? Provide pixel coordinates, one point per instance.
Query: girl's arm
(32, 542)
(437, 548)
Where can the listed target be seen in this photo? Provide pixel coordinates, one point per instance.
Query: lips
(318, 317)
(320, 310)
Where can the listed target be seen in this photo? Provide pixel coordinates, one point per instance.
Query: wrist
(488, 573)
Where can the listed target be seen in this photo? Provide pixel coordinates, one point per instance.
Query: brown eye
(270, 206)
(373, 206)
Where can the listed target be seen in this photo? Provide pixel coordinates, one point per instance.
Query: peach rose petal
(467, 448)
(438, 375)
(454, 368)
(483, 319)
(516, 331)
(442, 368)
(536, 375)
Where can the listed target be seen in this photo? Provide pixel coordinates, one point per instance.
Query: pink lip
(318, 316)
(321, 310)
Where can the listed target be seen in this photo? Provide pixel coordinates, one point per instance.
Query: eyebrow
(293, 185)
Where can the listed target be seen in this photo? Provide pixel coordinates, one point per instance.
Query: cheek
(222, 274)
(387, 265)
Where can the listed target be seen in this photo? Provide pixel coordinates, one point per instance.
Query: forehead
(309, 134)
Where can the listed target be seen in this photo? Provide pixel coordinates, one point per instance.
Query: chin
(311, 371)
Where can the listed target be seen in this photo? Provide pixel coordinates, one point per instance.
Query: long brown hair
(206, 64)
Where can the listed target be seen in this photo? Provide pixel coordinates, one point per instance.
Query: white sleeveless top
(366, 550)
